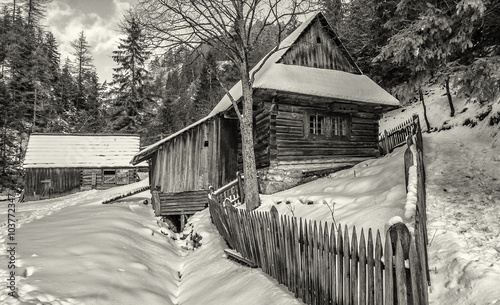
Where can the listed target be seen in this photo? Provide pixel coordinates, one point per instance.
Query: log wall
(262, 121)
(291, 146)
(88, 174)
(262, 132)
(86, 180)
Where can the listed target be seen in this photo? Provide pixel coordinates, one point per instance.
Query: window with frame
(340, 126)
(109, 176)
(336, 126)
(317, 124)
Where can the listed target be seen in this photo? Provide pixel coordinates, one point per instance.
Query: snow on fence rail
(233, 191)
(415, 188)
(325, 265)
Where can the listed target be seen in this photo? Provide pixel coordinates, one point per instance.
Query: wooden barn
(314, 112)
(59, 164)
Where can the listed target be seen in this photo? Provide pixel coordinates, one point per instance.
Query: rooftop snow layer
(73, 150)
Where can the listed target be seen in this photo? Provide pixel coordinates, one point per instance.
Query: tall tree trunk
(34, 113)
(4, 143)
(420, 93)
(448, 94)
(251, 185)
(14, 13)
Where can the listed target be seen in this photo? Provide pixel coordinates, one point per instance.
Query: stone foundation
(276, 180)
(273, 180)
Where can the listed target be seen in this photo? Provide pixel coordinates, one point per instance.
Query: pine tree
(65, 91)
(84, 66)
(209, 90)
(16, 91)
(333, 11)
(129, 77)
(94, 116)
(427, 37)
(35, 11)
(50, 47)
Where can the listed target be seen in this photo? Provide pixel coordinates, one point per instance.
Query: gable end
(319, 47)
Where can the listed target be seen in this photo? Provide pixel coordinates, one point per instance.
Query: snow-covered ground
(463, 199)
(75, 250)
(365, 196)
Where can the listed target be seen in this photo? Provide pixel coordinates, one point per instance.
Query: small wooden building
(59, 164)
(314, 112)
(183, 165)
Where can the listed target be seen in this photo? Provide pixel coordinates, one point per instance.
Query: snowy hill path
(463, 208)
(75, 250)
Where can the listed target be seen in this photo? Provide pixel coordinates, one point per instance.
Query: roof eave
(141, 158)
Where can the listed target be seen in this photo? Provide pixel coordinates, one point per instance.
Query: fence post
(386, 142)
(408, 159)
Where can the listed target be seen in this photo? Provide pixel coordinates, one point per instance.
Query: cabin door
(46, 188)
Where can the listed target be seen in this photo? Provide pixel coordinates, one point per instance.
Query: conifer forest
(158, 89)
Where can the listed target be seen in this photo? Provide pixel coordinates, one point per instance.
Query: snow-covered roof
(310, 81)
(80, 150)
(273, 75)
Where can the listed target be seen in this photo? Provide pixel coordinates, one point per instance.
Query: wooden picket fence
(232, 192)
(322, 264)
(396, 136)
(416, 158)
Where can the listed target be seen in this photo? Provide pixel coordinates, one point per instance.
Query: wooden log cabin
(59, 164)
(314, 112)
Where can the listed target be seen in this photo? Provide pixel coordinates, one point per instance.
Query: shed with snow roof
(58, 164)
(314, 112)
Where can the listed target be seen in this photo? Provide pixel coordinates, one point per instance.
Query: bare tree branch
(233, 28)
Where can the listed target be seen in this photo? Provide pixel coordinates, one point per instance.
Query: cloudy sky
(97, 18)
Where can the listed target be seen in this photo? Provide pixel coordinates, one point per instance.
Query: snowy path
(74, 250)
(27, 213)
(463, 207)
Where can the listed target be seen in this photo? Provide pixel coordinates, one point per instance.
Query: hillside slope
(463, 199)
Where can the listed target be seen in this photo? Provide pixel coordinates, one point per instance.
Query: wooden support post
(183, 222)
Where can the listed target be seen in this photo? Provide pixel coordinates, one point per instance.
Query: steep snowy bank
(463, 199)
(366, 196)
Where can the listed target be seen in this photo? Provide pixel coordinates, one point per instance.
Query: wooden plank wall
(317, 49)
(63, 181)
(293, 147)
(202, 156)
(183, 203)
(228, 151)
